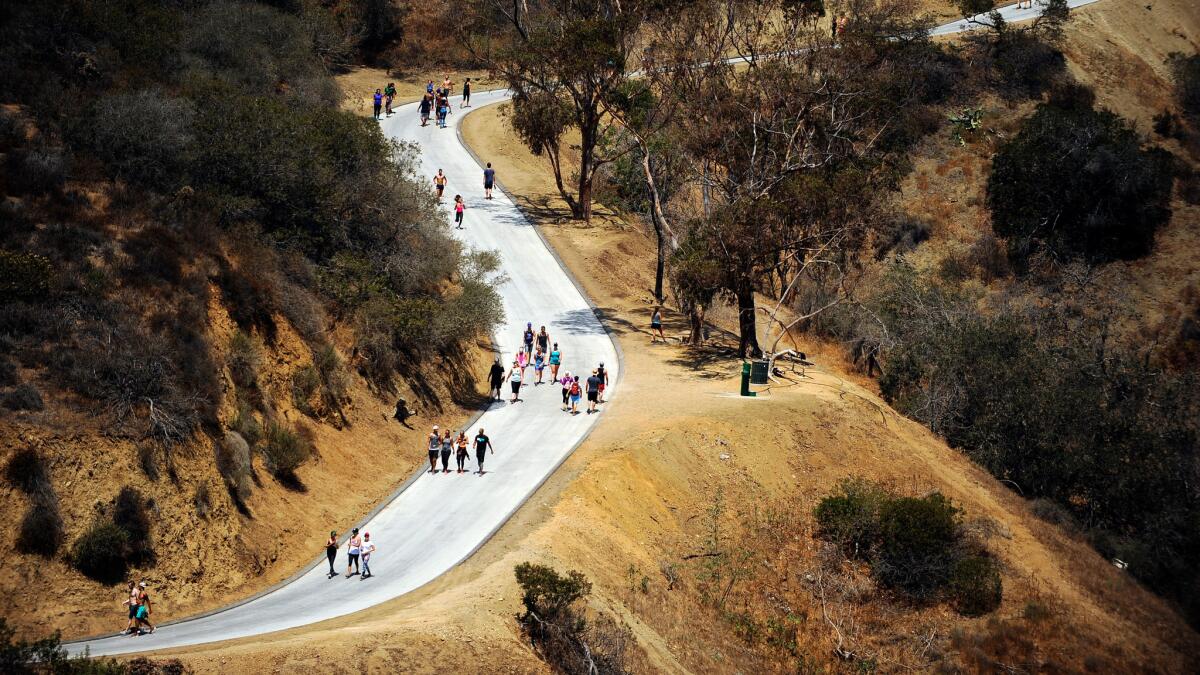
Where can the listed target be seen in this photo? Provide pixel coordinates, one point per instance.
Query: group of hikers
(442, 444)
(540, 352)
(359, 549)
(435, 101)
(138, 602)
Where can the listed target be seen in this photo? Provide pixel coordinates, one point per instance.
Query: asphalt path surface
(435, 521)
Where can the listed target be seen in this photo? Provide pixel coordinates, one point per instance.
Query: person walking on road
(378, 102)
(368, 547)
(601, 373)
(656, 325)
(439, 184)
(496, 378)
(555, 362)
(522, 361)
(593, 392)
(389, 93)
(424, 108)
(565, 382)
(461, 455)
(435, 445)
(539, 365)
(144, 610)
(482, 445)
(353, 550)
(543, 340)
(331, 547)
(447, 448)
(131, 601)
(459, 207)
(489, 180)
(466, 99)
(514, 377)
(527, 339)
(575, 393)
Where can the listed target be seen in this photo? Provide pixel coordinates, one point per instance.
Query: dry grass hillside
(208, 552)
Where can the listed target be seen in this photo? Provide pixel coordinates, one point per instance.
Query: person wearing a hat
(353, 548)
(601, 373)
(435, 444)
(368, 547)
(144, 609)
(331, 547)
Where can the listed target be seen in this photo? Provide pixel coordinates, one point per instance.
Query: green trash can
(759, 371)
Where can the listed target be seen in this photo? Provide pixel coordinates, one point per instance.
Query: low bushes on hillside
(41, 529)
(914, 545)
(26, 471)
(558, 629)
(23, 397)
(99, 552)
(45, 656)
(284, 449)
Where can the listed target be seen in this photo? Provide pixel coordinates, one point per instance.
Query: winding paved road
(437, 521)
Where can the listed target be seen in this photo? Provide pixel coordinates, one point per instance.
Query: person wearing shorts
(543, 340)
(489, 180)
(132, 602)
(496, 378)
(439, 184)
(143, 610)
(425, 107)
(461, 455)
(576, 393)
(435, 446)
(466, 99)
(482, 445)
(539, 364)
(555, 361)
(527, 338)
(459, 208)
(389, 93)
(593, 392)
(656, 325)
(601, 373)
(353, 549)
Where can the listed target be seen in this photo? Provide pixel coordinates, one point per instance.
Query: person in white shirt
(368, 547)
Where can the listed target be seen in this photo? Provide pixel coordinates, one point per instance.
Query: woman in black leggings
(331, 547)
(447, 448)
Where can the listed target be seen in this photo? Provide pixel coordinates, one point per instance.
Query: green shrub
(129, 514)
(917, 537)
(975, 586)
(8, 373)
(247, 425)
(1077, 182)
(46, 656)
(560, 633)
(23, 397)
(26, 471)
(245, 358)
(41, 529)
(99, 553)
(305, 383)
(850, 516)
(284, 449)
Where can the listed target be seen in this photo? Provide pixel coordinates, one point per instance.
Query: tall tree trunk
(582, 210)
(553, 154)
(662, 229)
(696, 323)
(747, 321)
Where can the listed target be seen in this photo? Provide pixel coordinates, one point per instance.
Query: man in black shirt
(593, 391)
(496, 378)
(482, 445)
